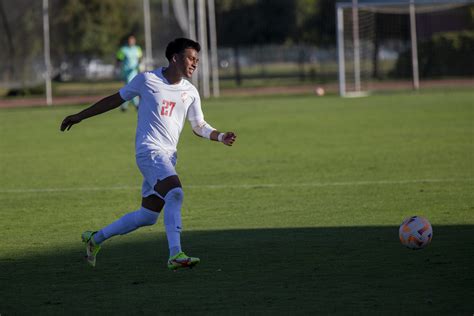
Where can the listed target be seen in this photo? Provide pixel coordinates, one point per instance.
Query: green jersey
(130, 57)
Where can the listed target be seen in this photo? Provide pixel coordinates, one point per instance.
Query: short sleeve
(120, 54)
(133, 88)
(195, 111)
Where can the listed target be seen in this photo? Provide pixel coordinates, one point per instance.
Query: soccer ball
(319, 91)
(415, 232)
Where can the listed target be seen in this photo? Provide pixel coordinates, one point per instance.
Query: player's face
(188, 62)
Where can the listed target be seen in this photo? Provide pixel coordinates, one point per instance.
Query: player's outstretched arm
(106, 104)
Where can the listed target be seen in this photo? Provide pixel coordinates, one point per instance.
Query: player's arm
(203, 129)
(106, 104)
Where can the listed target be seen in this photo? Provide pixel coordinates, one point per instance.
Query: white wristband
(220, 137)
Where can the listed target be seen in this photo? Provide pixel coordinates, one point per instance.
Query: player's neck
(172, 75)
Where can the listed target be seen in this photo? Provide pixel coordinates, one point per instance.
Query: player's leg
(161, 179)
(170, 188)
(146, 215)
(128, 223)
(158, 169)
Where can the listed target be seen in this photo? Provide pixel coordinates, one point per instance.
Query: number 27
(167, 108)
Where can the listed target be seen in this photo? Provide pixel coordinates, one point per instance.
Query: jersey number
(167, 108)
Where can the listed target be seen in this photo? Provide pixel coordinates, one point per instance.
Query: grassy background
(300, 216)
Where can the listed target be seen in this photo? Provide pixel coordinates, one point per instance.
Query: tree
(92, 27)
(315, 22)
(253, 22)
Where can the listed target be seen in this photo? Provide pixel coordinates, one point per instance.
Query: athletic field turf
(300, 216)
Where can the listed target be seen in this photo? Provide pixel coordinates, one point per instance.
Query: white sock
(172, 219)
(127, 223)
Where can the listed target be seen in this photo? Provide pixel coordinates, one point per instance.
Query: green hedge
(445, 54)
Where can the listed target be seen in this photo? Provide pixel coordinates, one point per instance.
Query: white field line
(242, 186)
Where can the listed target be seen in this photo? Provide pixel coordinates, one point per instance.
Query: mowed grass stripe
(244, 186)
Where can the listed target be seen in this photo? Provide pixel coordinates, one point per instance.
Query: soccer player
(166, 100)
(129, 57)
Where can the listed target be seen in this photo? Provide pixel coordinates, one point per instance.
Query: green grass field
(300, 216)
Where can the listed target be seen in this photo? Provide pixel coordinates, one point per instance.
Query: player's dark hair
(178, 45)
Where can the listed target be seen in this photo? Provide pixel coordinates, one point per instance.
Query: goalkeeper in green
(129, 57)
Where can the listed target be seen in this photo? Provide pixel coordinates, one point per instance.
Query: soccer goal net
(388, 45)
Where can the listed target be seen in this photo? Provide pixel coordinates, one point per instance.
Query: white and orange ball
(415, 232)
(319, 91)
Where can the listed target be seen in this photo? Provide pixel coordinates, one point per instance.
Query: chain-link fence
(84, 38)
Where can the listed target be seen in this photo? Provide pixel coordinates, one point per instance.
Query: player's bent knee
(146, 217)
(175, 195)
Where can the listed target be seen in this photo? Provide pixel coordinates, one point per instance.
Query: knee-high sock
(172, 219)
(127, 223)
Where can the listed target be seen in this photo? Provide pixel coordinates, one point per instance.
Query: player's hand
(69, 121)
(229, 138)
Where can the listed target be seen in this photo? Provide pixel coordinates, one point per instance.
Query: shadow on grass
(341, 270)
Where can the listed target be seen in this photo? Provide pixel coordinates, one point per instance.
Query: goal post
(378, 41)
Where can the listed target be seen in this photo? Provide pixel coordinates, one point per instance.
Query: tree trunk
(8, 34)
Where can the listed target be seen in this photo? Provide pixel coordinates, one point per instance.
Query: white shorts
(155, 166)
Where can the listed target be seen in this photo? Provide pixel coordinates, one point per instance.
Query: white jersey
(162, 111)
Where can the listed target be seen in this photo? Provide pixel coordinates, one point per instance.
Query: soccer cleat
(91, 247)
(181, 260)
